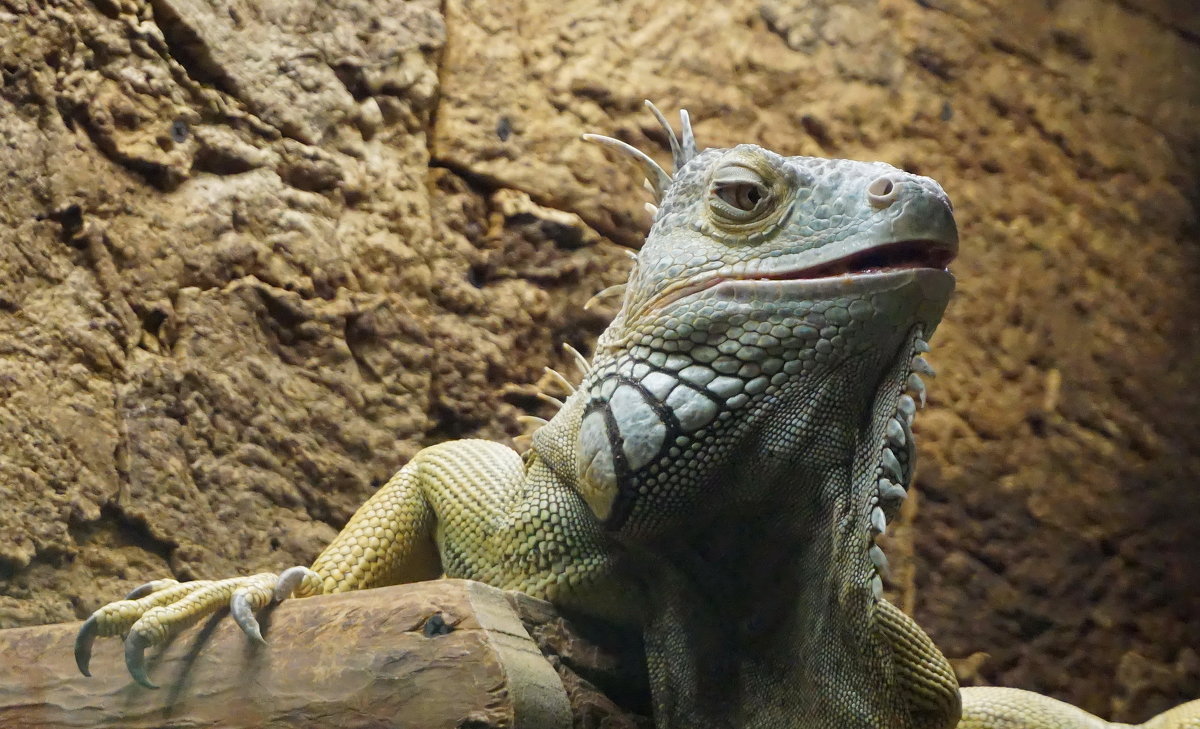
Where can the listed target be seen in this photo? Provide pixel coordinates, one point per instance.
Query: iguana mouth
(898, 256)
(873, 262)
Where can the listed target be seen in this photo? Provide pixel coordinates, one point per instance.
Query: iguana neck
(770, 548)
(786, 589)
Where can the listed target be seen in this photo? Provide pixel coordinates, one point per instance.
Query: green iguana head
(760, 271)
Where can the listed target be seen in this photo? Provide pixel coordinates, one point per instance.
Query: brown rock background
(255, 253)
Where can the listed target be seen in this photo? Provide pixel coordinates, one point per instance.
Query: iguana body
(719, 477)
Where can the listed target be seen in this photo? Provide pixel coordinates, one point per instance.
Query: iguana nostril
(882, 192)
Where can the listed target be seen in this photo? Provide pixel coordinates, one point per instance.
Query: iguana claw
(83, 644)
(241, 607)
(149, 587)
(135, 658)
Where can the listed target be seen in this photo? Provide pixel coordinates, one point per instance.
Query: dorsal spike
(580, 361)
(604, 293)
(550, 399)
(560, 377)
(659, 178)
(625, 250)
(689, 139)
(676, 151)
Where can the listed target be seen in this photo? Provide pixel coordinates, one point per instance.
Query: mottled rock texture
(255, 254)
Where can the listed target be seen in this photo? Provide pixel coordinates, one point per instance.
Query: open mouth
(899, 256)
(906, 255)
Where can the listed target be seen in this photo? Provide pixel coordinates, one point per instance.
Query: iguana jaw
(878, 267)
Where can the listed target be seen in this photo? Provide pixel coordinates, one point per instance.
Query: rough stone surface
(253, 255)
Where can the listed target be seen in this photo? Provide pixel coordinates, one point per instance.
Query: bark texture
(448, 653)
(255, 254)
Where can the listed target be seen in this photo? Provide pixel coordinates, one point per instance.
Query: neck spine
(888, 471)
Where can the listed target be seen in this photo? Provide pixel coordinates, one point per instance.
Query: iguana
(719, 477)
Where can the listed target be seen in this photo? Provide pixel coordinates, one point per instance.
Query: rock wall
(256, 253)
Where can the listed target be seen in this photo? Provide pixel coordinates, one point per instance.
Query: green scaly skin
(720, 475)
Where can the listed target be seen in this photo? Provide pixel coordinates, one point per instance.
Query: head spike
(689, 139)
(676, 152)
(659, 178)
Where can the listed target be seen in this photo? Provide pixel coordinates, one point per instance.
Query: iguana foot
(158, 610)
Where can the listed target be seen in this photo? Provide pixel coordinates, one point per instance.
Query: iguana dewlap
(740, 438)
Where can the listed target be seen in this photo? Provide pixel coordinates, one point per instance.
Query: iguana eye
(739, 194)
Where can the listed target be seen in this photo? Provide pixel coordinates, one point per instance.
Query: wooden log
(448, 653)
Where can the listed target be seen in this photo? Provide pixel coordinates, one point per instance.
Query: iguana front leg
(469, 508)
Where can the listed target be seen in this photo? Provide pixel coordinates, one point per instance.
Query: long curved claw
(135, 658)
(242, 610)
(83, 644)
(243, 604)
